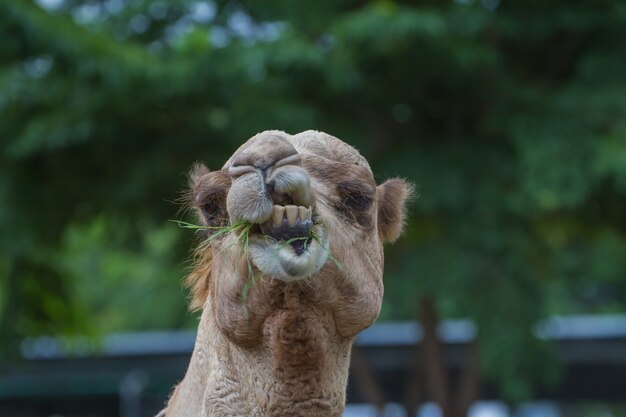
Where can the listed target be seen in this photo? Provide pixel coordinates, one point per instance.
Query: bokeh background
(509, 116)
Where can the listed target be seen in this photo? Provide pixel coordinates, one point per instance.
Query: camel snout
(261, 180)
(255, 192)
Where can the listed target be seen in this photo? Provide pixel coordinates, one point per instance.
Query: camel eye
(208, 196)
(357, 201)
(355, 196)
(213, 208)
(210, 210)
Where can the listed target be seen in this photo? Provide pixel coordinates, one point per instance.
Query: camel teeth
(302, 212)
(309, 213)
(292, 214)
(277, 215)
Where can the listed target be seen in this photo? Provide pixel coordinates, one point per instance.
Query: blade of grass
(327, 249)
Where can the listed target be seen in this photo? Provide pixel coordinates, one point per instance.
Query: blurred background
(505, 297)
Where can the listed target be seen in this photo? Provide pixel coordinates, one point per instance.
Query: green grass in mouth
(243, 239)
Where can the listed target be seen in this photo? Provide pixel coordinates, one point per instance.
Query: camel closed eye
(213, 209)
(355, 202)
(355, 196)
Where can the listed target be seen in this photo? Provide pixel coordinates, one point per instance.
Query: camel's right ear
(393, 196)
(207, 195)
(198, 170)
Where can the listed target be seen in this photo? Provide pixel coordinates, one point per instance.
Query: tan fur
(198, 280)
(393, 194)
(269, 347)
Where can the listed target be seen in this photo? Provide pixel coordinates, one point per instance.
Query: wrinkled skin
(277, 325)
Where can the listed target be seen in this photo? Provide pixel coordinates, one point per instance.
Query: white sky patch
(38, 67)
(51, 4)
(158, 10)
(270, 31)
(113, 6)
(178, 29)
(87, 13)
(203, 11)
(139, 23)
(488, 409)
(219, 37)
(241, 24)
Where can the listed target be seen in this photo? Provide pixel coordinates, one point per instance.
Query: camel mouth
(291, 225)
(292, 244)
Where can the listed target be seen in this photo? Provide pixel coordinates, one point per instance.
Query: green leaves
(510, 121)
(113, 265)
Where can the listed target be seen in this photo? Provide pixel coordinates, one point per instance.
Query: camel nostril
(264, 153)
(239, 170)
(245, 164)
(240, 160)
(293, 159)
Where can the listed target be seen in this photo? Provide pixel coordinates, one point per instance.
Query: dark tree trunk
(366, 381)
(8, 316)
(453, 402)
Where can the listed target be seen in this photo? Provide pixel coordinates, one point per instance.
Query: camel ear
(393, 196)
(198, 170)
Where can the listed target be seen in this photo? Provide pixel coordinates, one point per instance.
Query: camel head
(305, 198)
(289, 273)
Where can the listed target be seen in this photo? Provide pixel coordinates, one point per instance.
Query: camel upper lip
(288, 222)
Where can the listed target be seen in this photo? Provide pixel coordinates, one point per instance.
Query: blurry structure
(131, 374)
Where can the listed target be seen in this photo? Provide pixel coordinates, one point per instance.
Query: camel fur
(278, 320)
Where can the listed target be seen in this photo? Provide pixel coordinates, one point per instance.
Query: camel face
(279, 314)
(306, 195)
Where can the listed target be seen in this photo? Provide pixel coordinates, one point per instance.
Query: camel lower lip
(298, 234)
(290, 259)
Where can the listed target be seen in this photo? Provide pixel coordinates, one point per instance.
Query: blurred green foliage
(510, 117)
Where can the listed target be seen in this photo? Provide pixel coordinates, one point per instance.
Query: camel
(281, 309)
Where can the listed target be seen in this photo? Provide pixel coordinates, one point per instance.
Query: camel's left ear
(393, 196)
